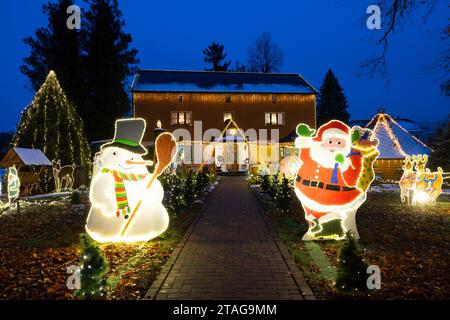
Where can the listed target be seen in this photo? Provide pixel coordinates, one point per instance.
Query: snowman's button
(316, 177)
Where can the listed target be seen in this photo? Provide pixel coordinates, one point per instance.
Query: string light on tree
(94, 268)
(351, 268)
(50, 123)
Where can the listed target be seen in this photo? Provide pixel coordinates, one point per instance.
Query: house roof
(219, 82)
(409, 125)
(395, 142)
(290, 137)
(25, 156)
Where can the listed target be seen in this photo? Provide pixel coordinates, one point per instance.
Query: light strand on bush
(94, 268)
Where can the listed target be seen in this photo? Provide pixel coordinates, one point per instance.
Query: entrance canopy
(230, 138)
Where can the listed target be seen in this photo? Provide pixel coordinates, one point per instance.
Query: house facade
(236, 120)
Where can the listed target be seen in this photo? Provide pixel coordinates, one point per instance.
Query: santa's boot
(315, 226)
(331, 229)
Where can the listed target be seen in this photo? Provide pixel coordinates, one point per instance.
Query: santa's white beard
(326, 156)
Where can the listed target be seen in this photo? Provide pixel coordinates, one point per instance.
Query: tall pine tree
(57, 48)
(50, 123)
(109, 62)
(441, 145)
(331, 101)
(214, 55)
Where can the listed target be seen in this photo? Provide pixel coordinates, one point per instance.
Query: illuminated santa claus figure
(328, 182)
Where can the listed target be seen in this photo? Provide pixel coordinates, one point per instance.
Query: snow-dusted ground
(50, 195)
(388, 187)
(45, 196)
(385, 187)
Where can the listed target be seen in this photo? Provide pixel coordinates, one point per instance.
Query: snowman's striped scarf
(119, 187)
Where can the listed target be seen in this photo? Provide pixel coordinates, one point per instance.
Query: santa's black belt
(320, 185)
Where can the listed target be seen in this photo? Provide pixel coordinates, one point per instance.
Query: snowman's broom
(165, 148)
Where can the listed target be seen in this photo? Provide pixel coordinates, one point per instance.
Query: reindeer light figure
(428, 182)
(408, 179)
(425, 185)
(63, 176)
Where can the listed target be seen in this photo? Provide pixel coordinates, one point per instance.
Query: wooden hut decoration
(29, 164)
(395, 143)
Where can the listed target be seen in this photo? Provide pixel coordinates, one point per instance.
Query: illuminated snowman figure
(123, 208)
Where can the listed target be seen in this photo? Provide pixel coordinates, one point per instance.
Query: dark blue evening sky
(314, 35)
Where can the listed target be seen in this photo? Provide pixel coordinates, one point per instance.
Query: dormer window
(180, 99)
(227, 115)
(274, 99)
(228, 98)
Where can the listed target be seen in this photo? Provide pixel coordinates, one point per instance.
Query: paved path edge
(156, 286)
(167, 267)
(297, 275)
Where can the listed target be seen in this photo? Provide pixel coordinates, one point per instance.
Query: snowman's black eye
(114, 153)
(330, 142)
(339, 142)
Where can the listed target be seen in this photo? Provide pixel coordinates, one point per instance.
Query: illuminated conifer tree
(283, 195)
(50, 123)
(94, 269)
(351, 269)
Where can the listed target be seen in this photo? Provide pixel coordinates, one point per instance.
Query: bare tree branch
(398, 13)
(265, 56)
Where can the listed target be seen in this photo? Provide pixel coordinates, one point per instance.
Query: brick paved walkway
(230, 253)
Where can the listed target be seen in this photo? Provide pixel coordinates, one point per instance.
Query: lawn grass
(410, 244)
(37, 246)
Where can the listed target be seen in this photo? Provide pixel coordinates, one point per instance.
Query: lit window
(181, 117)
(227, 115)
(274, 118)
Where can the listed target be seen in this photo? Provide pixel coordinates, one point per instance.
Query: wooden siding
(248, 110)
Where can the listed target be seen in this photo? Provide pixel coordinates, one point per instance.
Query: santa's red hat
(333, 128)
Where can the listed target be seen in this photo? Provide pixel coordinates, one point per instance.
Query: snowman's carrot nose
(146, 163)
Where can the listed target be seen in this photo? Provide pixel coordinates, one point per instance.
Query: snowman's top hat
(128, 135)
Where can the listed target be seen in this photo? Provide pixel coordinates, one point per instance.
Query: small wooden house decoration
(29, 163)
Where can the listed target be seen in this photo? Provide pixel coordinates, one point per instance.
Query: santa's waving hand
(327, 178)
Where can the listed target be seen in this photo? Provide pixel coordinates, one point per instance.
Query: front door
(231, 157)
